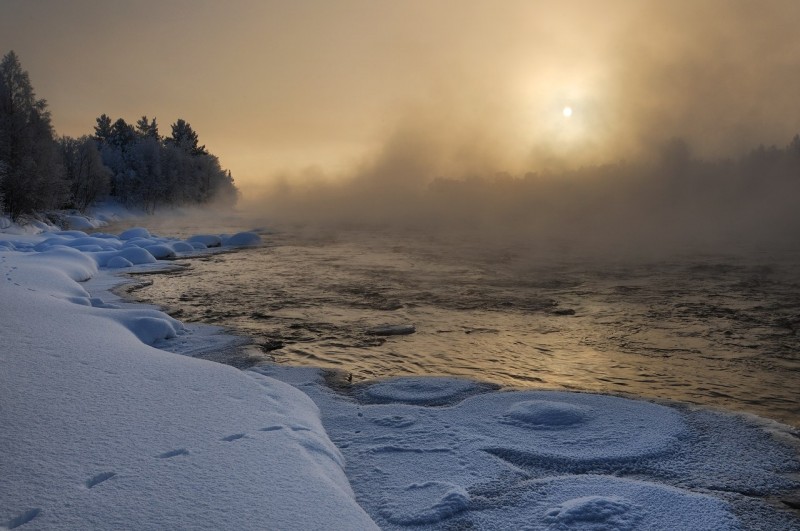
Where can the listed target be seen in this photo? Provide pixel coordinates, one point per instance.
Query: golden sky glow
(279, 86)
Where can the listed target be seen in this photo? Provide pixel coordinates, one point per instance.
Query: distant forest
(132, 163)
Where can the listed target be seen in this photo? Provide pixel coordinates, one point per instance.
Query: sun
(567, 111)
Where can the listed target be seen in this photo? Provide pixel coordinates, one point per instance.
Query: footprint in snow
(173, 453)
(99, 478)
(23, 519)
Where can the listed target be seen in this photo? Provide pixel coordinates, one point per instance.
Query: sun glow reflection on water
(716, 331)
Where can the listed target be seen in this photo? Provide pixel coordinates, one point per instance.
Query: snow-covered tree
(32, 175)
(89, 179)
(185, 138)
(147, 129)
(102, 131)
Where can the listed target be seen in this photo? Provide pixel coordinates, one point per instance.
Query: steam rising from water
(668, 101)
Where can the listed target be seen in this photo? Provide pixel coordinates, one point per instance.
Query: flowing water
(715, 330)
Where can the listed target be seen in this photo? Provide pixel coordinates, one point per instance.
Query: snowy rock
(209, 240)
(161, 251)
(136, 255)
(72, 233)
(80, 223)
(150, 329)
(105, 243)
(50, 242)
(243, 239)
(118, 262)
(136, 232)
(182, 247)
(139, 242)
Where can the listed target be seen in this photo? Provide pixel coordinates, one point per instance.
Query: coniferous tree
(147, 129)
(186, 138)
(89, 179)
(32, 177)
(123, 135)
(102, 131)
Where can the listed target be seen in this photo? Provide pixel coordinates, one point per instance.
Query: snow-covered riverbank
(101, 430)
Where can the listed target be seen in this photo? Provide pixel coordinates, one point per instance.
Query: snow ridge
(102, 431)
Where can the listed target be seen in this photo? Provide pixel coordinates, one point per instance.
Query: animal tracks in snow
(23, 519)
(173, 453)
(99, 478)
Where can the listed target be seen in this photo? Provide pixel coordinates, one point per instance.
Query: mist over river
(718, 330)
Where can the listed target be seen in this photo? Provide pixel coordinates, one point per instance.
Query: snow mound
(81, 222)
(161, 251)
(75, 264)
(119, 262)
(547, 414)
(136, 232)
(603, 503)
(136, 255)
(151, 329)
(601, 427)
(209, 240)
(421, 390)
(243, 239)
(101, 431)
(395, 421)
(105, 243)
(614, 511)
(182, 247)
(426, 503)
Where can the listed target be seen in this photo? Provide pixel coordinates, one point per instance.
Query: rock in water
(392, 330)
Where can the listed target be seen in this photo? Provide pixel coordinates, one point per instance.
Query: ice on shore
(102, 431)
(442, 453)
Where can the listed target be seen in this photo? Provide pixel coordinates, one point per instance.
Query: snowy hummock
(102, 431)
(447, 453)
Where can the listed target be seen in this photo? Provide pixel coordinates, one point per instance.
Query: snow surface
(448, 453)
(101, 430)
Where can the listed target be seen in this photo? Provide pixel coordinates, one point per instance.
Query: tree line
(131, 163)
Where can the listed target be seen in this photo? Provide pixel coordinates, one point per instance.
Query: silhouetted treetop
(31, 176)
(186, 138)
(147, 129)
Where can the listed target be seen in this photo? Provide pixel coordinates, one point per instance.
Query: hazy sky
(481, 85)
